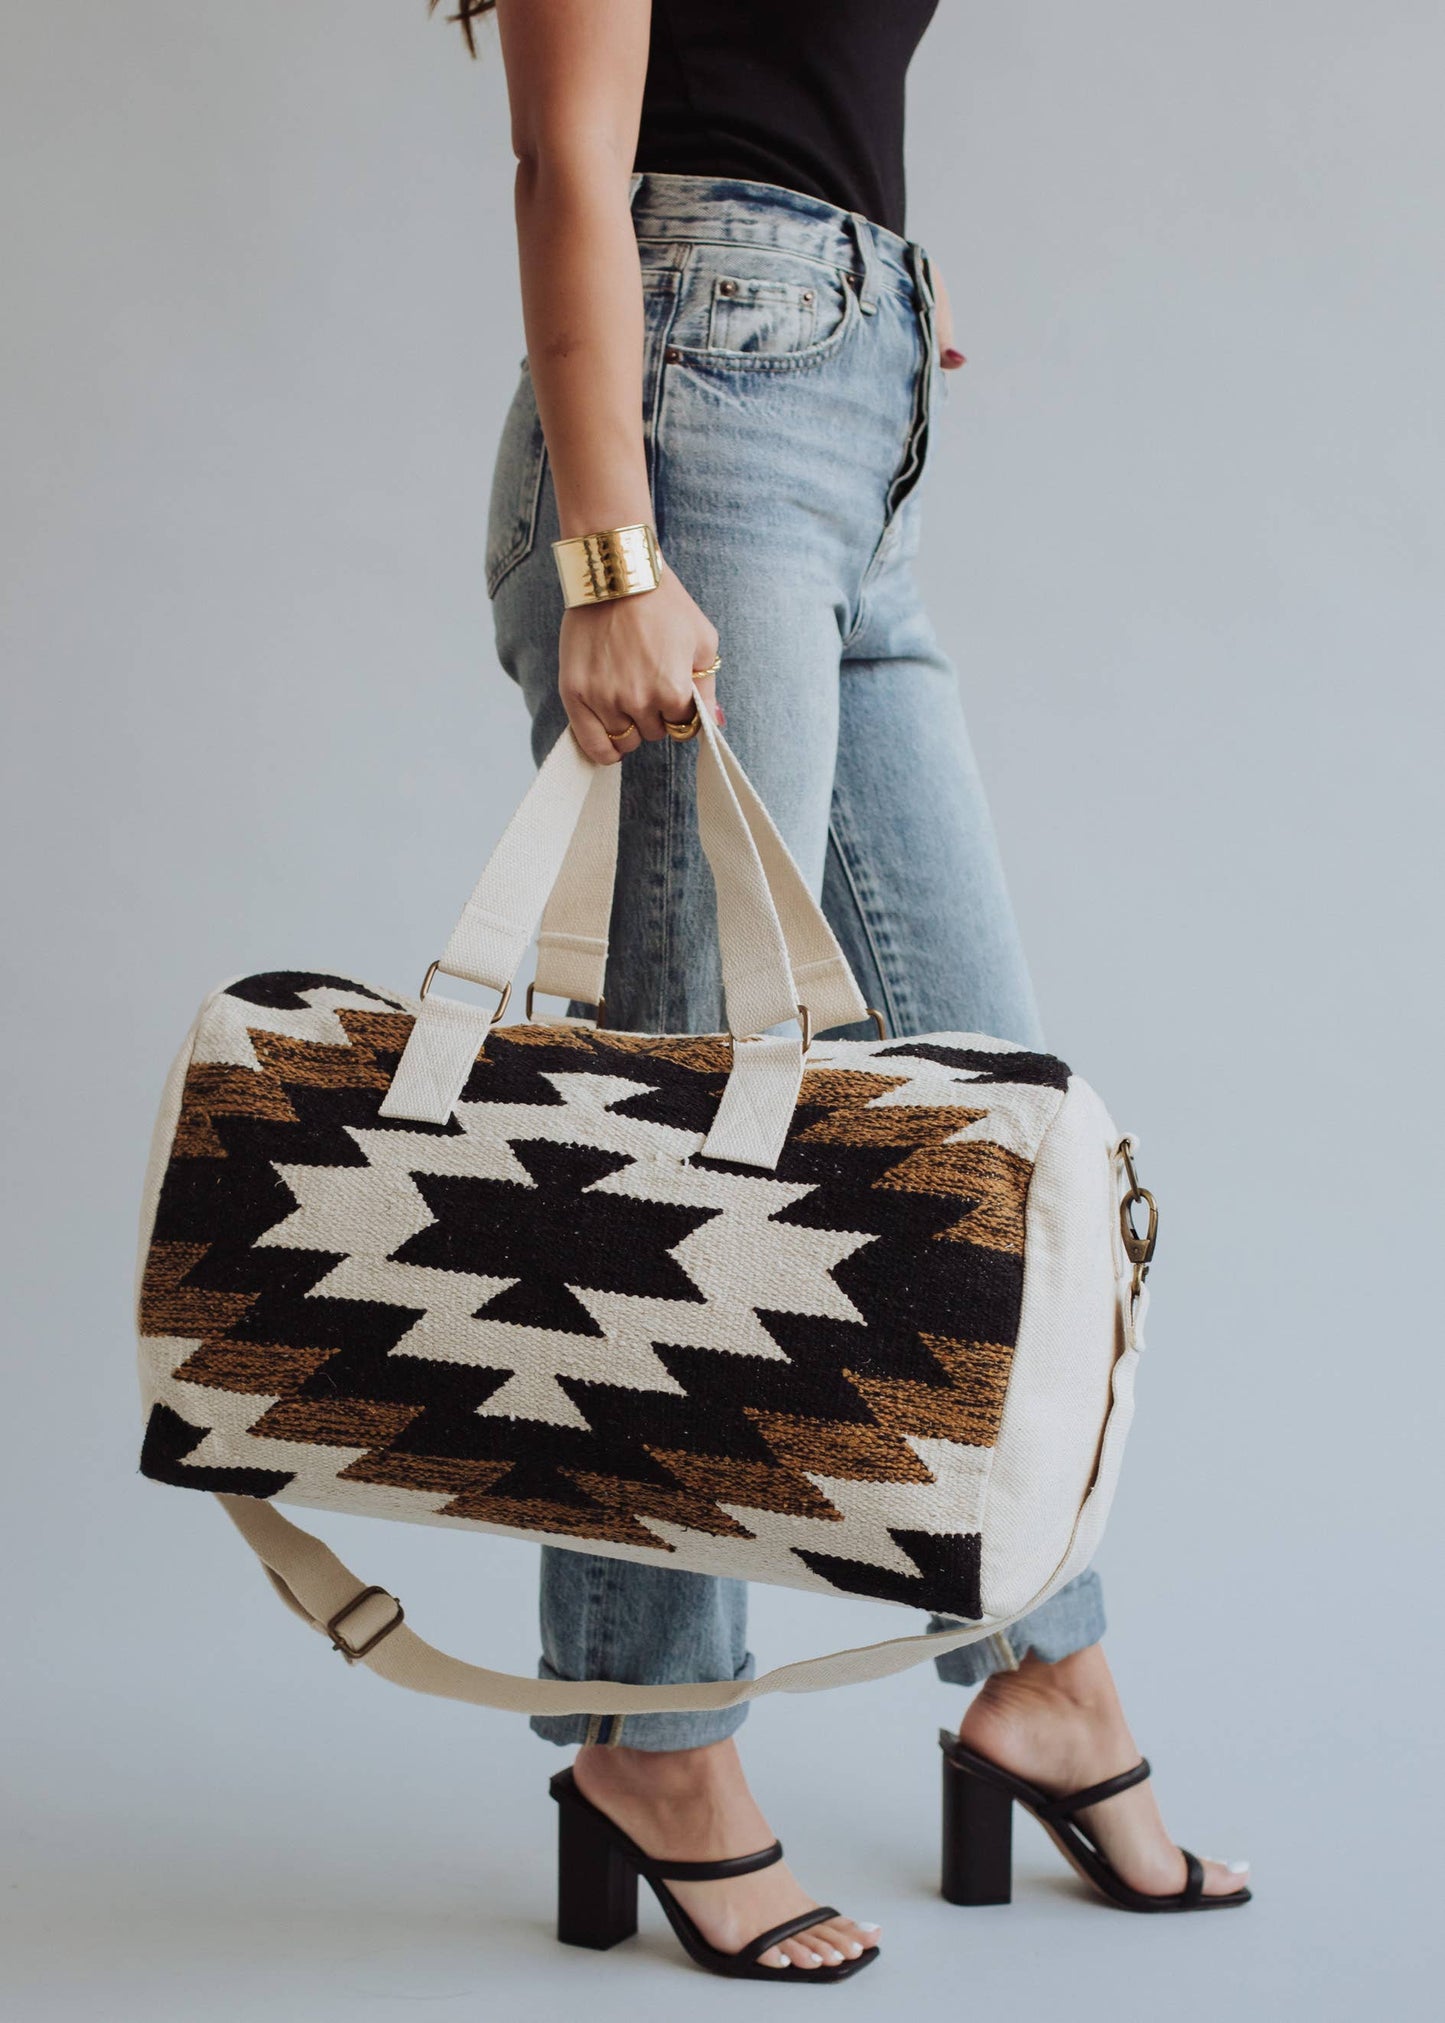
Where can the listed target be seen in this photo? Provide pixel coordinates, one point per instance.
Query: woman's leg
(770, 538)
(604, 1617)
(915, 892)
(645, 1625)
(675, 1781)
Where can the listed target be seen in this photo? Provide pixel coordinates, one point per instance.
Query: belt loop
(634, 184)
(868, 280)
(923, 272)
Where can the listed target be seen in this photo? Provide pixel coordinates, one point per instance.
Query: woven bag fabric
(556, 1316)
(850, 1316)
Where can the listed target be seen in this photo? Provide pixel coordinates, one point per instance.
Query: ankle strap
(1095, 1794)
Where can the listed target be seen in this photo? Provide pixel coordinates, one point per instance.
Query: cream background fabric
(1063, 1360)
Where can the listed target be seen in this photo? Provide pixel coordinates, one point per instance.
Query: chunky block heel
(978, 1802)
(977, 1838)
(596, 1884)
(597, 1870)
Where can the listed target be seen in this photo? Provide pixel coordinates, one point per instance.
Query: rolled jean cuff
(643, 1731)
(1067, 1622)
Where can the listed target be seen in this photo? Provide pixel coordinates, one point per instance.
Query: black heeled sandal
(597, 1871)
(978, 1802)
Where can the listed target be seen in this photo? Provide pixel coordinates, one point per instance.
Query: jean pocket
(516, 486)
(749, 308)
(749, 314)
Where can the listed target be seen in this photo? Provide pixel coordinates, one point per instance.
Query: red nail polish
(720, 715)
(952, 358)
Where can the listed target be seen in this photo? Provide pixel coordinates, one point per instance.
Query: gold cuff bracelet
(596, 568)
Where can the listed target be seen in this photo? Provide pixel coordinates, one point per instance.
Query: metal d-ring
(600, 1007)
(804, 1020)
(502, 1002)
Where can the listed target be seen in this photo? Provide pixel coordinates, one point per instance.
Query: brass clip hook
(1138, 1245)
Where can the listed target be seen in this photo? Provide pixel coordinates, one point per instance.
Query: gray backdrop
(260, 326)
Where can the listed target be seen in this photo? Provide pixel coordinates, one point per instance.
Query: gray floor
(259, 1834)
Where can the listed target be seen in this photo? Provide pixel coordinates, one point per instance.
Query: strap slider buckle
(351, 1652)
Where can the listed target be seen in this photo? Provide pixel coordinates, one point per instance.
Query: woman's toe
(802, 1953)
(844, 1937)
(1224, 1878)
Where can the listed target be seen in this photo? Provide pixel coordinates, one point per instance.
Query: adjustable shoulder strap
(366, 1625)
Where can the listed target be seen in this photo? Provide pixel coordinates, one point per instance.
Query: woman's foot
(694, 1805)
(1061, 1727)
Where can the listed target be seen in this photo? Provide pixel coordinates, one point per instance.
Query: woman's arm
(575, 71)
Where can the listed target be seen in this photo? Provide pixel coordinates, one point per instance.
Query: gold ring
(702, 673)
(680, 733)
(617, 736)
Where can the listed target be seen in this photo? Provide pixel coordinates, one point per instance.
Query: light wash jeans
(790, 386)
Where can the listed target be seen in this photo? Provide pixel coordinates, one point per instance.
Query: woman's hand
(632, 661)
(949, 356)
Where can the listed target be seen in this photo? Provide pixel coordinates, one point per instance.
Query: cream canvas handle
(572, 945)
(572, 940)
(537, 856)
(821, 976)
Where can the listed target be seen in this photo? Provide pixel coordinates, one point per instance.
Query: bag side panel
(1097, 1504)
(1059, 1383)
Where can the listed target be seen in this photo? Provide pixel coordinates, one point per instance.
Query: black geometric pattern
(554, 1314)
(985, 1068)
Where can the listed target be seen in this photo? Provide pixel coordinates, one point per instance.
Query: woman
(731, 341)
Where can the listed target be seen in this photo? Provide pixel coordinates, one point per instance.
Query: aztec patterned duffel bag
(854, 1316)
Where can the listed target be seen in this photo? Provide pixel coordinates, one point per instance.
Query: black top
(805, 93)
